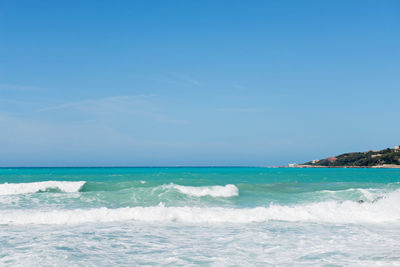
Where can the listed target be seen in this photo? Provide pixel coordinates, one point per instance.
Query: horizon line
(155, 166)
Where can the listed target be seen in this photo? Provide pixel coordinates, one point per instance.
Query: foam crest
(24, 188)
(368, 194)
(228, 190)
(385, 210)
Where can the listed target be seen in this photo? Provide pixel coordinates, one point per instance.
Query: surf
(34, 187)
(385, 210)
(228, 190)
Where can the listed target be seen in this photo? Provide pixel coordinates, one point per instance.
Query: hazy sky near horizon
(196, 82)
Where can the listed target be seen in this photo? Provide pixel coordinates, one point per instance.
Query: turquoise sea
(199, 216)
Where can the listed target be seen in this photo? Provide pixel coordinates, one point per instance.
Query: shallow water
(199, 216)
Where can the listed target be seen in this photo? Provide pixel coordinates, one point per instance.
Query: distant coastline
(388, 158)
(387, 166)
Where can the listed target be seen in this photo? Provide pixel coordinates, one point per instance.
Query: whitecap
(24, 188)
(228, 190)
(383, 211)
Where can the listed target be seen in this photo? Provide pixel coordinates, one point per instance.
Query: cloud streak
(93, 102)
(177, 79)
(242, 110)
(185, 78)
(18, 87)
(139, 105)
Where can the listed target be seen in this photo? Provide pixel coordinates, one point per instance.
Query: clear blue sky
(196, 82)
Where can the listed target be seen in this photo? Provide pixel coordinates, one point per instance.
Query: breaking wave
(228, 190)
(385, 210)
(24, 188)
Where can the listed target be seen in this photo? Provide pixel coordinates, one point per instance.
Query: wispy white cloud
(185, 78)
(18, 87)
(166, 119)
(242, 110)
(94, 102)
(240, 87)
(138, 105)
(178, 79)
(26, 138)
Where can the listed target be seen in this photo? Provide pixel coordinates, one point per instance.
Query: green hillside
(362, 159)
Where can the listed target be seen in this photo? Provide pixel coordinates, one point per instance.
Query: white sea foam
(24, 188)
(385, 210)
(367, 193)
(228, 190)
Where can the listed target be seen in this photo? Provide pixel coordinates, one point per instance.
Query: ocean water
(199, 216)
